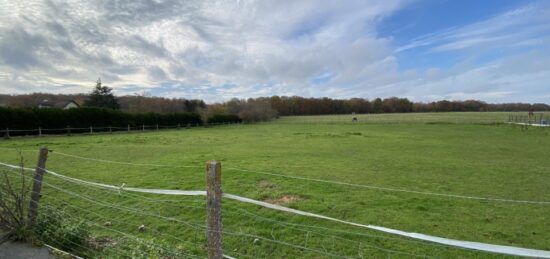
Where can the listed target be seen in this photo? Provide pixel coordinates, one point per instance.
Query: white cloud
(222, 49)
(230, 48)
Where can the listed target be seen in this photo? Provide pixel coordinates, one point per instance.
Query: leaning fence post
(37, 185)
(214, 209)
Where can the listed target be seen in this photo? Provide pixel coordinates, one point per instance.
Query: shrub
(145, 248)
(52, 226)
(56, 228)
(224, 117)
(14, 201)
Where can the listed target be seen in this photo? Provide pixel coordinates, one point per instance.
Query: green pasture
(467, 154)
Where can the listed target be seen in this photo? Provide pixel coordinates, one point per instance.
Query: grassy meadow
(471, 154)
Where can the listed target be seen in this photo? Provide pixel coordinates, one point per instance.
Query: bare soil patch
(285, 199)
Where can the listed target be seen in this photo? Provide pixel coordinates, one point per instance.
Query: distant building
(59, 104)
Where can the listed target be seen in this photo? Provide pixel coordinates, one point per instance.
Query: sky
(424, 50)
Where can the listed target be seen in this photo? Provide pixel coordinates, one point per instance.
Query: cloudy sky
(493, 50)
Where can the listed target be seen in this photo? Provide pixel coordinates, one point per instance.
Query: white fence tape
(372, 187)
(499, 249)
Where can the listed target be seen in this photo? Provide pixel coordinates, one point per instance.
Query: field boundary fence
(534, 119)
(68, 130)
(214, 231)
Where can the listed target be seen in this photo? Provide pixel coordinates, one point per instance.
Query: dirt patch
(285, 199)
(264, 184)
(99, 243)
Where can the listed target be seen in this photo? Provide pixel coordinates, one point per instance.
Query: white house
(59, 104)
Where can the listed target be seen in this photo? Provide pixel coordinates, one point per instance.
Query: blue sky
(431, 16)
(425, 50)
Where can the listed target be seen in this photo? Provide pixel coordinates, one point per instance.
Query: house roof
(57, 104)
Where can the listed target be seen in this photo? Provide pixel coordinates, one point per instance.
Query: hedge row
(33, 118)
(221, 118)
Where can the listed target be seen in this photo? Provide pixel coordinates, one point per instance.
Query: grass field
(415, 118)
(472, 154)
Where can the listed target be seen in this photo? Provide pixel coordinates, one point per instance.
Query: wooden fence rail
(69, 131)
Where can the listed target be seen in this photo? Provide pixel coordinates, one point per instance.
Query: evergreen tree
(377, 105)
(102, 97)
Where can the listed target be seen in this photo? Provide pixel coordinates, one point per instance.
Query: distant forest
(314, 106)
(268, 107)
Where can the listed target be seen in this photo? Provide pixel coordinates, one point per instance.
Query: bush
(14, 202)
(55, 228)
(224, 117)
(145, 248)
(52, 226)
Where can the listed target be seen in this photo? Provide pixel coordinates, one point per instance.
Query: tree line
(296, 105)
(156, 110)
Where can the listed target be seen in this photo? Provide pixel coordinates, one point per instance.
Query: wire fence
(171, 223)
(94, 205)
(68, 131)
(534, 119)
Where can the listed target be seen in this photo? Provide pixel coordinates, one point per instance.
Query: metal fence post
(37, 185)
(214, 209)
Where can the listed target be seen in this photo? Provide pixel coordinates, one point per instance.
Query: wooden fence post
(157, 127)
(40, 131)
(110, 130)
(128, 127)
(7, 136)
(91, 130)
(179, 125)
(142, 127)
(214, 209)
(37, 185)
(68, 130)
